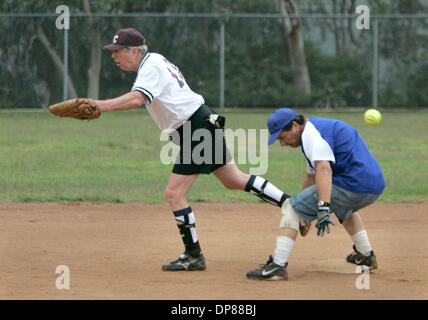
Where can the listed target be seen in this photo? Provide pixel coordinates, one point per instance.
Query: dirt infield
(115, 251)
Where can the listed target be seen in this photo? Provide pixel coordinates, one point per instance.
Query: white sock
(284, 245)
(361, 241)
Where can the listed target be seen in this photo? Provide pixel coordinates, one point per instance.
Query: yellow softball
(372, 117)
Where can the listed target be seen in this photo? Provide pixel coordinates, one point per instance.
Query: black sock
(265, 190)
(186, 225)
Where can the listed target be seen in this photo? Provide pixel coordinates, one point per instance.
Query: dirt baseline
(115, 251)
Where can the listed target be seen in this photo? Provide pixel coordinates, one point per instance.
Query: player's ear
(297, 126)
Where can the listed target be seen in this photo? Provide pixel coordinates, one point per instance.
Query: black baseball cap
(128, 37)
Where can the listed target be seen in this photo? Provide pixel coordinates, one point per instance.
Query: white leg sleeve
(289, 218)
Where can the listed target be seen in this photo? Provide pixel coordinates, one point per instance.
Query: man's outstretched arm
(128, 101)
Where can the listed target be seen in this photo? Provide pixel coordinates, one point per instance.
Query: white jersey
(315, 147)
(170, 101)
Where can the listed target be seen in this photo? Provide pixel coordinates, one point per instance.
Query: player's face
(290, 138)
(123, 60)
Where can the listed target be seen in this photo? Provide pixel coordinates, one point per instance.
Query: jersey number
(175, 73)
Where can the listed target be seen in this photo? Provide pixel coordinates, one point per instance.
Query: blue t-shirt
(354, 167)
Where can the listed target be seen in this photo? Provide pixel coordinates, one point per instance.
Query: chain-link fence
(233, 61)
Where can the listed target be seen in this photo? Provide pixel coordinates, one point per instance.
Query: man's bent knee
(289, 218)
(172, 195)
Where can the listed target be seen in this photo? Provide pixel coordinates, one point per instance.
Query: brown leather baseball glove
(79, 108)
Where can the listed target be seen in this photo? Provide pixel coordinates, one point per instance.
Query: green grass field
(116, 158)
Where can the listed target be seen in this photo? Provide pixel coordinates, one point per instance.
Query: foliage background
(257, 68)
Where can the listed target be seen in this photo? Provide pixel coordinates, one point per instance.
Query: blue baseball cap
(277, 121)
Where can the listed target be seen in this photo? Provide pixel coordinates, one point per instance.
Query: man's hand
(323, 218)
(304, 227)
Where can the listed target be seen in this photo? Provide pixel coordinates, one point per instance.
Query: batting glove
(323, 218)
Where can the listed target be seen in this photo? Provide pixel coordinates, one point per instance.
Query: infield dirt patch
(115, 251)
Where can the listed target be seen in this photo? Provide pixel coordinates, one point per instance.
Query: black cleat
(186, 262)
(361, 260)
(269, 271)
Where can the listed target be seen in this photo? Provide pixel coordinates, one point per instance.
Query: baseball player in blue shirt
(342, 177)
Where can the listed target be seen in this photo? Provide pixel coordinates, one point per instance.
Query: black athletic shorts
(202, 145)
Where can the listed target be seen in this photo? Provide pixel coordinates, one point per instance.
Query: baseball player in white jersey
(161, 87)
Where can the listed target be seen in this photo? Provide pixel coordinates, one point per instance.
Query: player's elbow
(138, 100)
(323, 166)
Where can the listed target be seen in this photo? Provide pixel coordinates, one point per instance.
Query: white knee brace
(289, 218)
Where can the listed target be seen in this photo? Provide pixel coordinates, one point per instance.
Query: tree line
(306, 62)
